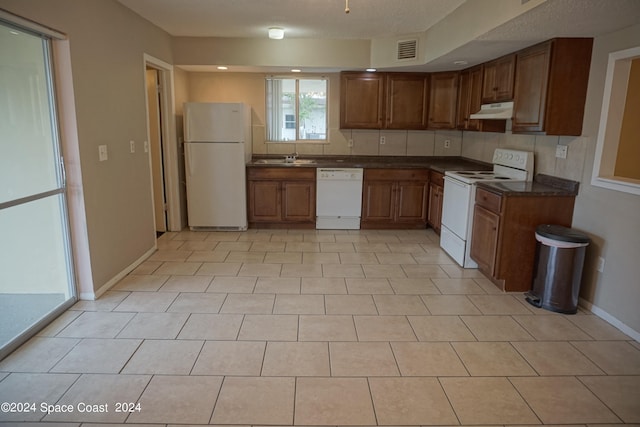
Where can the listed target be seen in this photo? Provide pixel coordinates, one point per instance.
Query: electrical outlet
(132, 146)
(103, 155)
(447, 143)
(383, 140)
(600, 264)
(561, 151)
(350, 143)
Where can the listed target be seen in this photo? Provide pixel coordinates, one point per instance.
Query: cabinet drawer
(285, 173)
(396, 174)
(436, 178)
(488, 200)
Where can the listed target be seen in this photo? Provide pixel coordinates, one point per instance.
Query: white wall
(611, 217)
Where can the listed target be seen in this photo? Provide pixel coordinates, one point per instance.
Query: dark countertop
(440, 164)
(542, 185)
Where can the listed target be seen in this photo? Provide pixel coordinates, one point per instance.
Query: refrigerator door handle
(187, 157)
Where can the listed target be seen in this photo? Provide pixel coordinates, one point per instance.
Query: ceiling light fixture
(295, 70)
(276, 33)
(371, 70)
(461, 62)
(222, 67)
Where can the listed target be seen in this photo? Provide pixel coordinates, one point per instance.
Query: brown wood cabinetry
(443, 100)
(551, 87)
(436, 191)
(503, 239)
(407, 96)
(282, 197)
(383, 100)
(361, 100)
(394, 198)
(498, 80)
(470, 100)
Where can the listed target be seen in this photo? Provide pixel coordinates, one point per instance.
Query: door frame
(169, 140)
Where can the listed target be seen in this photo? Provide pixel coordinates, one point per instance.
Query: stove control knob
(510, 156)
(518, 158)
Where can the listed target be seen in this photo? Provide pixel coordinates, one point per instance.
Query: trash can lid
(563, 234)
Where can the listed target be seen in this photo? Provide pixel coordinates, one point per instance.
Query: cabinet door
(484, 240)
(531, 89)
(411, 202)
(443, 99)
(378, 201)
(469, 98)
(498, 80)
(298, 201)
(435, 206)
(265, 201)
(361, 100)
(407, 98)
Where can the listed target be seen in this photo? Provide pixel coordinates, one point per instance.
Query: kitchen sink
(284, 162)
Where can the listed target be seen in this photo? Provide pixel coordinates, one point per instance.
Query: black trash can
(558, 268)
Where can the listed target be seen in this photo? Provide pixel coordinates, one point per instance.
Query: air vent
(407, 49)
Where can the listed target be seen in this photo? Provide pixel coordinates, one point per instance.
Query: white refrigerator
(217, 144)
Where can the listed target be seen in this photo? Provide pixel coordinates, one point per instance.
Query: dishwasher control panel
(341, 174)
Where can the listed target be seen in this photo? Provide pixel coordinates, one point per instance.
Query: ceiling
(378, 19)
(367, 19)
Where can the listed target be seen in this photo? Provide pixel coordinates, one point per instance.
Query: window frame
(617, 76)
(297, 78)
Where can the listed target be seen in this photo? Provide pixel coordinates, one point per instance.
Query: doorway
(161, 145)
(156, 149)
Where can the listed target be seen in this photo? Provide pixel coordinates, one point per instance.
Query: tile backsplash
(473, 145)
(480, 146)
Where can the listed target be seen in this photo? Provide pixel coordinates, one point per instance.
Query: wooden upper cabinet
(497, 84)
(469, 98)
(407, 96)
(443, 100)
(361, 100)
(551, 87)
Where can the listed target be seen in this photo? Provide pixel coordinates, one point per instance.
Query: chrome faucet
(291, 157)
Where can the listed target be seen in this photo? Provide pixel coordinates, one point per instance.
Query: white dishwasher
(338, 198)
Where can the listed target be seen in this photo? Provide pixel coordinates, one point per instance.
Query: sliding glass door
(36, 275)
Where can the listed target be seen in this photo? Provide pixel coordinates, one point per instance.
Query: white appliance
(338, 198)
(460, 195)
(498, 111)
(217, 144)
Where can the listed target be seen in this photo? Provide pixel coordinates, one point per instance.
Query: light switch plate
(132, 146)
(103, 155)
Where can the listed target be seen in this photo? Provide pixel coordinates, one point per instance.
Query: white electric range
(460, 195)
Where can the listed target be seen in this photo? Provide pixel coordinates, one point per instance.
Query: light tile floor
(285, 327)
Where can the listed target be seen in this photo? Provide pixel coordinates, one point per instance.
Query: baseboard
(610, 319)
(104, 288)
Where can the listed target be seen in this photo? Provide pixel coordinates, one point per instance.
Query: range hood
(498, 111)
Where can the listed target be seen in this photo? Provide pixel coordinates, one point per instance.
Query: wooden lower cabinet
(485, 241)
(281, 197)
(394, 198)
(436, 191)
(503, 240)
